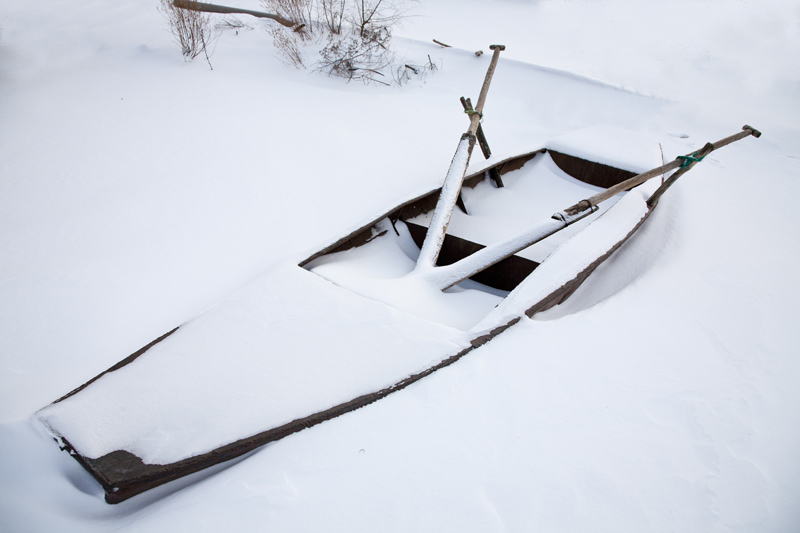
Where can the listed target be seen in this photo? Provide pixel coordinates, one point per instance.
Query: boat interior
(495, 202)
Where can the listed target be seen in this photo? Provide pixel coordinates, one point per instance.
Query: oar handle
(475, 117)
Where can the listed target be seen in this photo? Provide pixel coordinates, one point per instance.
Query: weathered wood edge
(332, 246)
(131, 358)
(561, 294)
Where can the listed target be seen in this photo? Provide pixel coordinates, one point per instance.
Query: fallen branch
(191, 5)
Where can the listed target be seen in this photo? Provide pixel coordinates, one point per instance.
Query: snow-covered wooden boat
(369, 314)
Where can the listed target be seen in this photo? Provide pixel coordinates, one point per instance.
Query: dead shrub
(370, 15)
(362, 53)
(232, 23)
(288, 45)
(192, 29)
(298, 11)
(407, 72)
(357, 35)
(332, 12)
(357, 56)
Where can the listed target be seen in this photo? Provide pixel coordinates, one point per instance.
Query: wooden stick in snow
(475, 118)
(451, 189)
(191, 5)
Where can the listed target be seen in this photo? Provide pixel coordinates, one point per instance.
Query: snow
(385, 270)
(137, 191)
(615, 147)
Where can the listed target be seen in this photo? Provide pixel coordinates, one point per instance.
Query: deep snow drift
(137, 191)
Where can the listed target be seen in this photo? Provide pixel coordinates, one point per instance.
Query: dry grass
(289, 49)
(192, 29)
(358, 33)
(332, 15)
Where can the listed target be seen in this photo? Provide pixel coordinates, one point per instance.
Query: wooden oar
(446, 276)
(641, 178)
(451, 188)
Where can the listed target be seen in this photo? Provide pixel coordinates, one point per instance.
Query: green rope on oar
(689, 159)
(473, 112)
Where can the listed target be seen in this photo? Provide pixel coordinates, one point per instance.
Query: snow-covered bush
(356, 55)
(356, 33)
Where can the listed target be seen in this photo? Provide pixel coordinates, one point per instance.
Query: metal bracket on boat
(581, 206)
(567, 218)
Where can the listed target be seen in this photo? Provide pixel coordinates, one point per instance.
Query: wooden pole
(451, 188)
(475, 118)
(641, 178)
(191, 5)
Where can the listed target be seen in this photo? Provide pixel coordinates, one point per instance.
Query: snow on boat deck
(290, 345)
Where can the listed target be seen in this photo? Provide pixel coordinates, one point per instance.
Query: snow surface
(615, 147)
(136, 191)
(386, 270)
